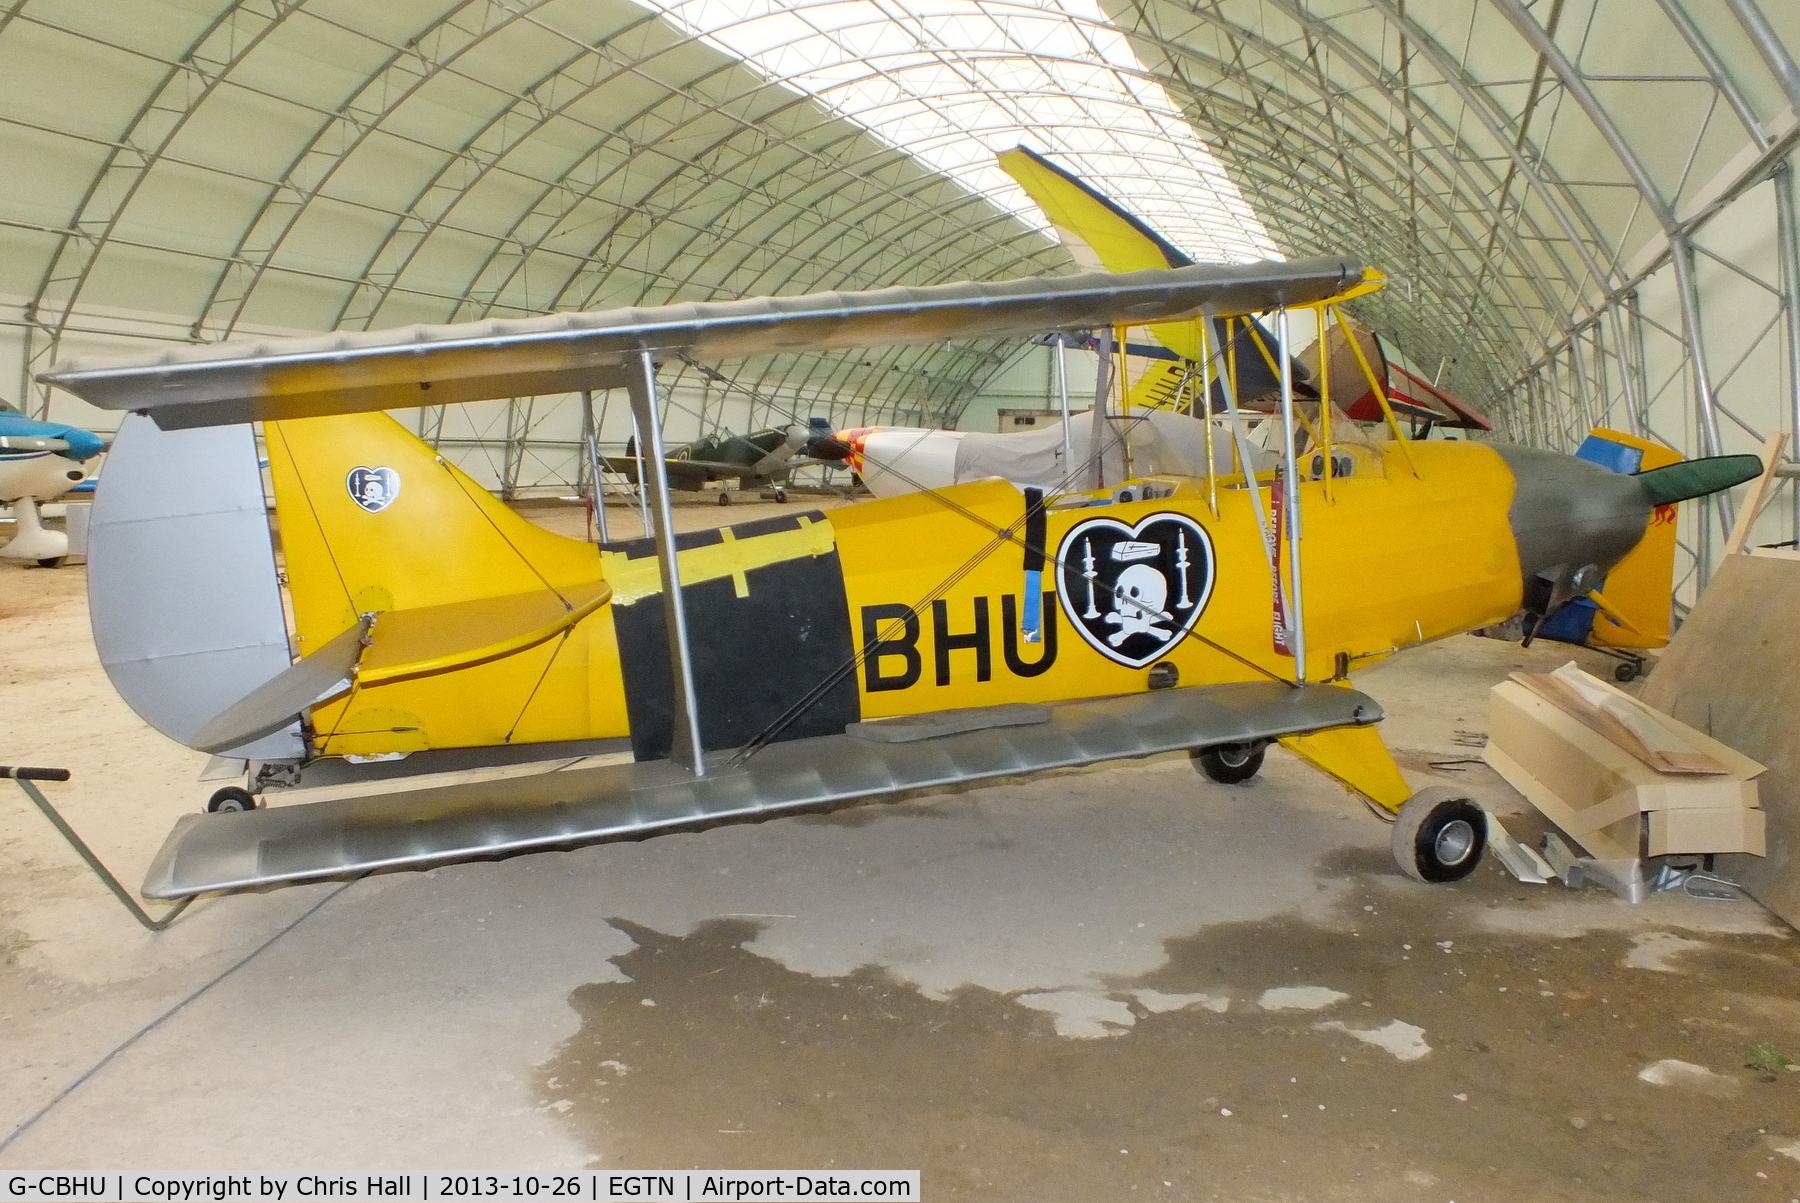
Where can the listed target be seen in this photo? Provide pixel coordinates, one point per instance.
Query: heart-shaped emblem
(1133, 592)
(374, 489)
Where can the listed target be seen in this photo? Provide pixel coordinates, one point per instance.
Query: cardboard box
(1596, 791)
(1720, 829)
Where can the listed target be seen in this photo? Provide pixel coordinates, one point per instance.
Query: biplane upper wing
(272, 379)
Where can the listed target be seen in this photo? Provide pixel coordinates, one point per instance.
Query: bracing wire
(1002, 536)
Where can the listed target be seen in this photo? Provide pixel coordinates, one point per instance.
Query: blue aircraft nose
(84, 445)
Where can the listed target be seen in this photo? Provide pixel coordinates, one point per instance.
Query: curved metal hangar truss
(1588, 203)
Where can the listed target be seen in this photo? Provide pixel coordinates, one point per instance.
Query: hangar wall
(184, 169)
(1588, 200)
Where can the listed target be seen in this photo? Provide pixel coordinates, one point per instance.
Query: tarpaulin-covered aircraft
(946, 636)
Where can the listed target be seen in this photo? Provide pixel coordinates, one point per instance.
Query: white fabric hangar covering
(1587, 205)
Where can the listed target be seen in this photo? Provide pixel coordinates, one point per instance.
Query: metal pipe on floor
(25, 778)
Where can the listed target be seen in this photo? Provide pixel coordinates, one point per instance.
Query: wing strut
(687, 750)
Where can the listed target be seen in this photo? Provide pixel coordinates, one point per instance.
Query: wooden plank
(1564, 698)
(1759, 493)
(1733, 671)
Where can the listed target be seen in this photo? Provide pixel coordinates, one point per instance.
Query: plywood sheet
(1733, 671)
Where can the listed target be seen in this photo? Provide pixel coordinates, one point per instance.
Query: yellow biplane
(941, 637)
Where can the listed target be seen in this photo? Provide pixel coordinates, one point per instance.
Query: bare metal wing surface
(271, 379)
(449, 823)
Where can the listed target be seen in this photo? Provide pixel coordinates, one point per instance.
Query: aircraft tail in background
(1101, 236)
(1640, 587)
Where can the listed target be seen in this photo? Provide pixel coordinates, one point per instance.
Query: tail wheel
(231, 800)
(1230, 764)
(1439, 835)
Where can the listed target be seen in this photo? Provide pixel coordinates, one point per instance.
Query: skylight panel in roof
(951, 82)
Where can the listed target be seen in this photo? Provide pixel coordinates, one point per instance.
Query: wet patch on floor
(1459, 1063)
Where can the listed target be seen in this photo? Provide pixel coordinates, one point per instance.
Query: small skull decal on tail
(374, 489)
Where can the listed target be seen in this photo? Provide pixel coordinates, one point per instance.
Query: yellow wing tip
(1373, 280)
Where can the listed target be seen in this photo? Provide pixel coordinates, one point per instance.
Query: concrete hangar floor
(1118, 983)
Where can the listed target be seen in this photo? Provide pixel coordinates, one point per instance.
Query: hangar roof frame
(1587, 203)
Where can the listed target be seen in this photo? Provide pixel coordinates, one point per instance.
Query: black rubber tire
(780, 496)
(1627, 671)
(724, 496)
(1439, 835)
(51, 562)
(1230, 764)
(233, 799)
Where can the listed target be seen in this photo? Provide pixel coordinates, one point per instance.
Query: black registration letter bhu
(877, 620)
(943, 642)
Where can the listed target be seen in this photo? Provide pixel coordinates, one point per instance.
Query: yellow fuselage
(1392, 558)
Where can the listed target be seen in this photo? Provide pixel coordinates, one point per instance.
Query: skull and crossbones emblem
(1138, 598)
(1134, 590)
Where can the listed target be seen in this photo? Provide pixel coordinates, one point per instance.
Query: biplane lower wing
(351, 836)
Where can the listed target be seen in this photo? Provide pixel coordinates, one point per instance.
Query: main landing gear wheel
(780, 496)
(1230, 764)
(1439, 835)
(724, 497)
(50, 562)
(231, 800)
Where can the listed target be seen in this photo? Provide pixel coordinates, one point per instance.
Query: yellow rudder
(1639, 588)
(372, 520)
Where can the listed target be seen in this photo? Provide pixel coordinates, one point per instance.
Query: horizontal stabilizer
(245, 380)
(401, 644)
(1698, 477)
(437, 639)
(279, 701)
